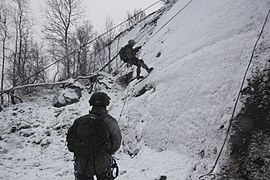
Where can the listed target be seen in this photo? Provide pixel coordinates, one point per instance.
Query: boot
(149, 69)
(140, 77)
(138, 73)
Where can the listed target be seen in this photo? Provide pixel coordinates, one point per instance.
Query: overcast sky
(98, 10)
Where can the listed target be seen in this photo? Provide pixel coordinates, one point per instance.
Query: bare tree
(169, 1)
(108, 38)
(82, 37)
(21, 26)
(99, 53)
(134, 17)
(53, 56)
(102, 46)
(21, 67)
(61, 15)
(35, 63)
(3, 37)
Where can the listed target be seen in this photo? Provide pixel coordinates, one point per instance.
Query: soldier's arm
(70, 138)
(116, 136)
(137, 49)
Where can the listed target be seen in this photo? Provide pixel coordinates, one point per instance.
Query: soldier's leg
(104, 177)
(145, 66)
(83, 177)
(137, 63)
(138, 71)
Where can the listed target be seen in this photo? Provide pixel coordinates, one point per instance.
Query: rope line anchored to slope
(125, 101)
(169, 20)
(210, 174)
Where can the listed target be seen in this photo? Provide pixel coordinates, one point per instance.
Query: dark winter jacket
(131, 53)
(98, 164)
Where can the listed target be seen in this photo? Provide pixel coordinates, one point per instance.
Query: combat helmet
(99, 99)
(131, 42)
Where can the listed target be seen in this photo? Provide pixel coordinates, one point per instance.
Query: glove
(137, 48)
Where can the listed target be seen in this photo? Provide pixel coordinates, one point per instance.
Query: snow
(173, 129)
(70, 94)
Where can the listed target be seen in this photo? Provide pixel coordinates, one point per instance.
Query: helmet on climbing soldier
(131, 42)
(99, 99)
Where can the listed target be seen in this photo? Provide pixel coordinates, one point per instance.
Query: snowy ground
(172, 129)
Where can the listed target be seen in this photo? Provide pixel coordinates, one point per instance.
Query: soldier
(94, 138)
(128, 55)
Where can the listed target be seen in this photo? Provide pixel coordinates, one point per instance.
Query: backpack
(123, 55)
(89, 135)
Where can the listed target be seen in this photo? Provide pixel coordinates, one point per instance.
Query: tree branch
(51, 84)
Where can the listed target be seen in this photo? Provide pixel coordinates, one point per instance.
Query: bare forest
(68, 44)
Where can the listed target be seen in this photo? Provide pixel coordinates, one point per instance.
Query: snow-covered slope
(174, 127)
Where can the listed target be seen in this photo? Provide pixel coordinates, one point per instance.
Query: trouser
(110, 174)
(99, 177)
(140, 63)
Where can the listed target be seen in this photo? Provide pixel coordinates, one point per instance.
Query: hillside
(175, 121)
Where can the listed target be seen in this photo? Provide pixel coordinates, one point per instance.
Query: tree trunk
(67, 59)
(14, 78)
(3, 65)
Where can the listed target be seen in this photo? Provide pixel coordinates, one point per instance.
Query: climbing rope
(144, 44)
(210, 174)
(169, 21)
(124, 103)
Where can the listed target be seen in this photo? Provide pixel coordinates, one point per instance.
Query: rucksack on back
(89, 135)
(122, 54)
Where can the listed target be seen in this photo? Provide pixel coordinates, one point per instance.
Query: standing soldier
(93, 138)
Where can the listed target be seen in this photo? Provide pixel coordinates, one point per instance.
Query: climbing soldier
(93, 138)
(128, 55)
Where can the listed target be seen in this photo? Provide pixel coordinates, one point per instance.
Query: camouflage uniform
(87, 167)
(133, 60)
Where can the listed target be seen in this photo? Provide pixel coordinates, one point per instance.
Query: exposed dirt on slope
(250, 142)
